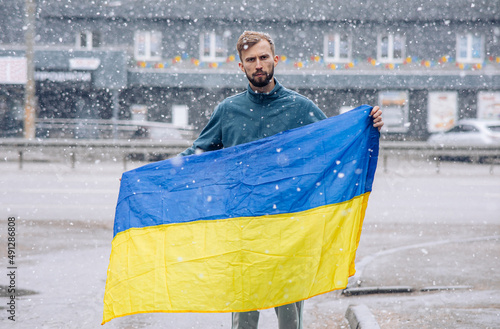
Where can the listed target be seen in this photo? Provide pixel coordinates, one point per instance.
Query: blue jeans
(289, 317)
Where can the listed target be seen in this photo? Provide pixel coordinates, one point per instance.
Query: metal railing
(57, 150)
(110, 129)
(125, 150)
(437, 153)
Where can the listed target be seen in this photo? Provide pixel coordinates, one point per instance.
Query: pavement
(428, 256)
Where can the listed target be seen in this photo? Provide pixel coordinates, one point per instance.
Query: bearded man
(266, 108)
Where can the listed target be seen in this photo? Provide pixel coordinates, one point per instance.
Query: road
(421, 229)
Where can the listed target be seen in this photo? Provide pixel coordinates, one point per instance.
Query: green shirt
(249, 116)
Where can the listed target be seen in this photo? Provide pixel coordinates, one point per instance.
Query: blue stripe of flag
(323, 163)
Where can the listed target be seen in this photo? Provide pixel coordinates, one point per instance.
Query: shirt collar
(262, 98)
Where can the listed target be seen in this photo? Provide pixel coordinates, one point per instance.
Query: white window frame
(469, 48)
(337, 40)
(90, 40)
(147, 44)
(212, 56)
(391, 38)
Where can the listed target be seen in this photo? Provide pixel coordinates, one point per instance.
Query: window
(470, 48)
(147, 45)
(213, 47)
(495, 129)
(337, 47)
(88, 40)
(180, 115)
(391, 48)
(463, 129)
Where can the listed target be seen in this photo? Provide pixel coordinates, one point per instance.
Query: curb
(397, 289)
(441, 288)
(376, 290)
(360, 317)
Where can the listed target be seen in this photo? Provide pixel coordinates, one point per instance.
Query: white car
(469, 132)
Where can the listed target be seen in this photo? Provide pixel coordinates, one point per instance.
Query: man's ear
(276, 60)
(240, 64)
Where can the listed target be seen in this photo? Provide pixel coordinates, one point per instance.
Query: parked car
(470, 132)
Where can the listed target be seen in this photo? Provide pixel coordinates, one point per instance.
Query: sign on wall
(180, 115)
(63, 76)
(13, 70)
(395, 107)
(442, 110)
(84, 63)
(344, 109)
(139, 112)
(488, 105)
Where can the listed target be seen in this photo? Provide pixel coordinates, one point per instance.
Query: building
(427, 63)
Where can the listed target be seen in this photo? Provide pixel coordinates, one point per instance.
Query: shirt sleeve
(315, 112)
(210, 138)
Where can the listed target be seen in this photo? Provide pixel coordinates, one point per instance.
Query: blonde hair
(249, 38)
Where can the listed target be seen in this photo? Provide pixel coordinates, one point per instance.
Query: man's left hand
(376, 114)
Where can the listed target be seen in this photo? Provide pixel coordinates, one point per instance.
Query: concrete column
(29, 89)
(115, 93)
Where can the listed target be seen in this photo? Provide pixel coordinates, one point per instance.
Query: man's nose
(258, 64)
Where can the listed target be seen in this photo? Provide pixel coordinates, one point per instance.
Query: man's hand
(376, 114)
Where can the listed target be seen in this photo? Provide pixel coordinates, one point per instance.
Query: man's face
(258, 63)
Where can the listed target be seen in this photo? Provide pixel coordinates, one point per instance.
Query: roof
(287, 10)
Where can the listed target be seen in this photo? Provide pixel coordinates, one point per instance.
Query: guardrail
(110, 129)
(129, 149)
(478, 154)
(50, 149)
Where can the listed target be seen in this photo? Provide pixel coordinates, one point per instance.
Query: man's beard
(262, 83)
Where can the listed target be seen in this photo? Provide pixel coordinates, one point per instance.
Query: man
(264, 109)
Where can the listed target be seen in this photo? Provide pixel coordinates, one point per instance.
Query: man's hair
(250, 38)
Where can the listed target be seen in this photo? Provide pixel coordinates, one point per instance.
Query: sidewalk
(439, 233)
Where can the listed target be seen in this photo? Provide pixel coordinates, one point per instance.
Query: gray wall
(297, 40)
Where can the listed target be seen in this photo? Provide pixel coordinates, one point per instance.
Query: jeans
(289, 317)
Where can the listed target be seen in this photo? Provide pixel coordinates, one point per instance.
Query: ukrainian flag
(250, 227)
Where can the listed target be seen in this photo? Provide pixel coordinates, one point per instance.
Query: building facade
(426, 63)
